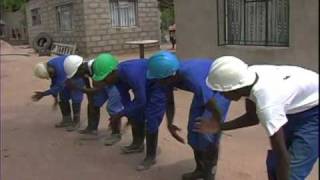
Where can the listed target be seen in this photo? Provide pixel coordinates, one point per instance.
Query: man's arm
(248, 119)
(91, 90)
(279, 147)
(170, 111)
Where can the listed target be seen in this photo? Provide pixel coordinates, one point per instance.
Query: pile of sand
(7, 48)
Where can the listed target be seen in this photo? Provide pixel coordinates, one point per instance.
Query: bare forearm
(279, 147)
(283, 168)
(170, 113)
(240, 122)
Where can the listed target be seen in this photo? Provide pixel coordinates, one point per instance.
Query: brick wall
(92, 30)
(49, 22)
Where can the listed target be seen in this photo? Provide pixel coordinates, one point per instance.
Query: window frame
(243, 42)
(60, 7)
(118, 24)
(34, 22)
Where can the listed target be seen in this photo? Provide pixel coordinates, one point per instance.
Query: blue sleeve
(139, 101)
(57, 86)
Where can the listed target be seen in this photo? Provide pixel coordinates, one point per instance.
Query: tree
(12, 5)
(164, 4)
(167, 13)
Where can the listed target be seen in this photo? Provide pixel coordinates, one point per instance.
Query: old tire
(42, 42)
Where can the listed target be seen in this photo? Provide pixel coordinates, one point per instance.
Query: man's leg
(64, 97)
(97, 101)
(138, 134)
(152, 144)
(198, 172)
(154, 112)
(66, 114)
(304, 147)
(90, 129)
(302, 140)
(76, 108)
(210, 161)
(76, 97)
(114, 106)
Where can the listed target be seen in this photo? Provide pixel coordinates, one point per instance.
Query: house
(258, 31)
(95, 26)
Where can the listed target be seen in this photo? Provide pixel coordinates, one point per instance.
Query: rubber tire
(42, 42)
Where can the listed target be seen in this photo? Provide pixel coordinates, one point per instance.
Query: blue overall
(149, 98)
(302, 141)
(194, 73)
(156, 105)
(58, 87)
(110, 94)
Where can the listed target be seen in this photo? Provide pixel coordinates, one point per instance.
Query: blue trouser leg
(77, 95)
(200, 141)
(205, 146)
(302, 137)
(155, 109)
(114, 105)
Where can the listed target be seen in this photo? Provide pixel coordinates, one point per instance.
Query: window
(35, 17)
(64, 17)
(123, 13)
(253, 22)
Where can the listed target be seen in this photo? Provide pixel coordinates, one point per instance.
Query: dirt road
(32, 149)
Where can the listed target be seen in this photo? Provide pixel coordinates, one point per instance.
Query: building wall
(92, 31)
(102, 37)
(49, 22)
(196, 23)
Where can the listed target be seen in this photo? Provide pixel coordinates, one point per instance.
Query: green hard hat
(103, 65)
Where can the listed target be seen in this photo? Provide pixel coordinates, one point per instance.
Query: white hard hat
(90, 62)
(40, 71)
(229, 73)
(71, 65)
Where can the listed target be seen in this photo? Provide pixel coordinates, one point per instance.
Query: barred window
(123, 13)
(35, 17)
(64, 17)
(253, 22)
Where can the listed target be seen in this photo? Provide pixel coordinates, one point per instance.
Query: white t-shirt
(282, 90)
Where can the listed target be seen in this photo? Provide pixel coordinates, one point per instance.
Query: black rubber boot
(198, 172)
(210, 161)
(138, 134)
(91, 128)
(96, 117)
(150, 159)
(115, 134)
(76, 108)
(66, 114)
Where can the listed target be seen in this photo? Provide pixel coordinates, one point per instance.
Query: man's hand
(37, 96)
(207, 126)
(173, 131)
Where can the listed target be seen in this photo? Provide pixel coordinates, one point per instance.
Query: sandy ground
(32, 149)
